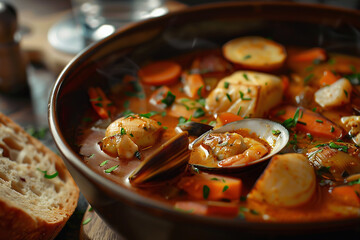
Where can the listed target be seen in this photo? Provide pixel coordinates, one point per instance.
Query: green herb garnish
(123, 131)
(319, 121)
(226, 85)
(228, 97)
(47, 175)
(226, 187)
(247, 57)
(291, 122)
(103, 163)
(206, 192)
(169, 99)
(109, 170)
(199, 112)
(86, 221)
(276, 132)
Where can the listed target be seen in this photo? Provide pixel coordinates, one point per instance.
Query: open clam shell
(164, 163)
(263, 128)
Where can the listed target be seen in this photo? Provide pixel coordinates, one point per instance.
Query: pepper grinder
(13, 78)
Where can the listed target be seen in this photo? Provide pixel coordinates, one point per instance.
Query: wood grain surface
(94, 228)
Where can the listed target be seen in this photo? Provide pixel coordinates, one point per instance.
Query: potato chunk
(246, 93)
(288, 181)
(334, 95)
(256, 53)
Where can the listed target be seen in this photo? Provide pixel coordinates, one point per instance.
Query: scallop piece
(334, 95)
(256, 53)
(335, 161)
(119, 146)
(288, 181)
(246, 93)
(144, 132)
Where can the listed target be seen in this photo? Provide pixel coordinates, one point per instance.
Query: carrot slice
(100, 103)
(205, 186)
(310, 55)
(208, 208)
(347, 195)
(194, 85)
(309, 122)
(160, 73)
(228, 117)
(328, 78)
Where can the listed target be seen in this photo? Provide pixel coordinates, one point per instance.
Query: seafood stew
(138, 133)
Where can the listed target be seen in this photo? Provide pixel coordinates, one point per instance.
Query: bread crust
(32, 206)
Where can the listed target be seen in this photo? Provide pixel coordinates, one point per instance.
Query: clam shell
(262, 128)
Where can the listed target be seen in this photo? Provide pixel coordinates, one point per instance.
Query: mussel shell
(262, 128)
(165, 163)
(195, 128)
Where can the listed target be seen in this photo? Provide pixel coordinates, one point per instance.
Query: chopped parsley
(169, 99)
(199, 112)
(226, 85)
(109, 170)
(342, 148)
(103, 163)
(247, 57)
(199, 91)
(332, 128)
(314, 109)
(331, 61)
(319, 121)
(246, 77)
(206, 192)
(291, 122)
(226, 187)
(238, 112)
(47, 175)
(346, 93)
(123, 131)
(86, 221)
(357, 181)
(242, 96)
(149, 114)
(276, 132)
(228, 97)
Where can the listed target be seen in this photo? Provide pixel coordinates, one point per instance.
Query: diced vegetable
(212, 65)
(334, 95)
(205, 186)
(255, 53)
(328, 78)
(310, 122)
(228, 117)
(100, 103)
(160, 73)
(194, 85)
(311, 55)
(285, 82)
(347, 194)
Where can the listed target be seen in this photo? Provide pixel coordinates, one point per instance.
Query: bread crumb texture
(31, 205)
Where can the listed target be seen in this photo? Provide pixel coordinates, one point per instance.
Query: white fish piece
(288, 181)
(246, 93)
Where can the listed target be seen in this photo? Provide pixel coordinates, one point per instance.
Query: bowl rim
(147, 203)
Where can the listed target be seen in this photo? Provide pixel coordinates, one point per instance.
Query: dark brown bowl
(207, 26)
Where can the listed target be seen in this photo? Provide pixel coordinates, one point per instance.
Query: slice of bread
(32, 204)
